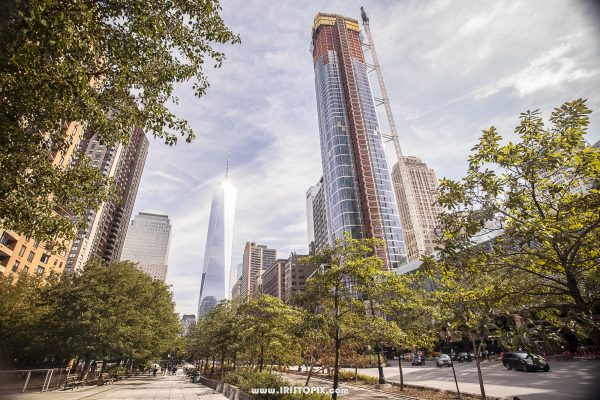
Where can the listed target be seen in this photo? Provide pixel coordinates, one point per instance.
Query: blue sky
(452, 68)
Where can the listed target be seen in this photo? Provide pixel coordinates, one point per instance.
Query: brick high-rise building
(358, 189)
(19, 254)
(424, 185)
(256, 259)
(107, 226)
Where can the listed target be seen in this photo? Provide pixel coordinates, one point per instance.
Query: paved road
(566, 379)
(140, 388)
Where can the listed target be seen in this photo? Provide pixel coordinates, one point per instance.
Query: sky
(451, 68)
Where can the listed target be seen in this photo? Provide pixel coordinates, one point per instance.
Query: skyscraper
(20, 254)
(147, 243)
(316, 214)
(424, 185)
(104, 236)
(356, 178)
(257, 258)
(215, 284)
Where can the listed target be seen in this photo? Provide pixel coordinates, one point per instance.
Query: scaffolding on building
(415, 223)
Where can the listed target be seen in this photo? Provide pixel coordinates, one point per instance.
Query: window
(22, 251)
(40, 270)
(36, 243)
(30, 257)
(15, 266)
(26, 269)
(4, 238)
(44, 258)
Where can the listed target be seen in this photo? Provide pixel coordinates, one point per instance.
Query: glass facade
(147, 243)
(339, 175)
(358, 187)
(217, 256)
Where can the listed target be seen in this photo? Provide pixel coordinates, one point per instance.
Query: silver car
(442, 360)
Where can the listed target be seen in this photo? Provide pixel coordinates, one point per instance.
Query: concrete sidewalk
(159, 388)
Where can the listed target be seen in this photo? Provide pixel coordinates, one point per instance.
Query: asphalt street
(578, 379)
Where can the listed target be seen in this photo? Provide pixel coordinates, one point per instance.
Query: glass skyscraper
(217, 255)
(358, 188)
(147, 243)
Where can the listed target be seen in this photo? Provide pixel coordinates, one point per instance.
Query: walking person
(155, 369)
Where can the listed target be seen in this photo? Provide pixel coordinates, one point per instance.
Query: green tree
(110, 311)
(406, 300)
(266, 328)
(535, 205)
(110, 65)
(20, 312)
(338, 292)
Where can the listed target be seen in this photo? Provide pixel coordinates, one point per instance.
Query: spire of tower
(227, 166)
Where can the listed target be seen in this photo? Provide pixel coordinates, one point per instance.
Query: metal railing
(31, 380)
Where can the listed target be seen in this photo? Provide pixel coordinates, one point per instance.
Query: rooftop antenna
(393, 136)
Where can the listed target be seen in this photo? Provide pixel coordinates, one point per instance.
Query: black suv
(524, 362)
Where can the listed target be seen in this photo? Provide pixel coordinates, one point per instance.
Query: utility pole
(393, 136)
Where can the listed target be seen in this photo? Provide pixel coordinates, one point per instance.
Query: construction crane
(409, 192)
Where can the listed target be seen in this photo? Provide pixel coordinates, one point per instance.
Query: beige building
(19, 254)
(256, 259)
(273, 283)
(424, 184)
(295, 275)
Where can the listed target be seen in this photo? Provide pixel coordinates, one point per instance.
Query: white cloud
(551, 70)
(437, 58)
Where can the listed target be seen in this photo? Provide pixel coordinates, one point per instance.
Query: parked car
(418, 360)
(443, 359)
(463, 356)
(525, 362)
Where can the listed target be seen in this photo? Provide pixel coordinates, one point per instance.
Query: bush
(246, 379)
(346, 376)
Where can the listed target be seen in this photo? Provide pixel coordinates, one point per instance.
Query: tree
(110, 311)
(349, 271)
(537, 203)
(20, 312)
(109, 65)
(266, 328)
(406, 300)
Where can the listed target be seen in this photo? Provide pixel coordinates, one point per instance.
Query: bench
(104, 379)
(72, 382)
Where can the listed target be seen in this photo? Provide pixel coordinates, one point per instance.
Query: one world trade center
(217, 256)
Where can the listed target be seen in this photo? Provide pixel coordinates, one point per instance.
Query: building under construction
(356, 178)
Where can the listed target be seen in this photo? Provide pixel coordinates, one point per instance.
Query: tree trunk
(261, 360)
(234, 358)
(477, 361)
(222, 363)
(206, 364)
(401, 372)
(379, 366)
(309, 374)
(212, 366)
(355, 372)
(336, 368)
(104, 366)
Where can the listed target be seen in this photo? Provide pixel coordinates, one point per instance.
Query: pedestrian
(155, 369)
(486, 354)
(175, 370)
